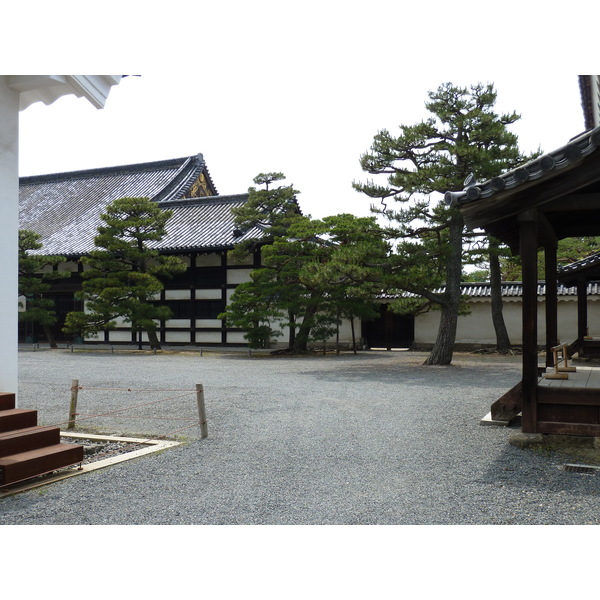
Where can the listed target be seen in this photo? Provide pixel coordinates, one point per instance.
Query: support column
(9, 236)
(528, 251)
(582, 317)
(551, 302)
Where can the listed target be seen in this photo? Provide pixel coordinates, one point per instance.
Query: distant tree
(569, 250)
(36, 273)
(124, 276)
(313, 273)
(272, 209)
(464, 139)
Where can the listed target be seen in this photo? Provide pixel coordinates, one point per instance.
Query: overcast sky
(312, 128)
(255, 87)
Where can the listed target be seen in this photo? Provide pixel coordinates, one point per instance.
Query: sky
(256, 88)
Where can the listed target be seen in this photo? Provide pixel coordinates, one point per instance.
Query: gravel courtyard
(373, 438)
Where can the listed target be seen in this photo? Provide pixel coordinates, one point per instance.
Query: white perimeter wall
(477, 327)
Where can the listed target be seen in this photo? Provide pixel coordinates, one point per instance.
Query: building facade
(65, 210)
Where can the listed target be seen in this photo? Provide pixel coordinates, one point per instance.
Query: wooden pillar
(225, 269)
(528, 251)
(551, 302)
(582, 317)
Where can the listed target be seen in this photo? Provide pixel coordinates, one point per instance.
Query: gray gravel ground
(375, 438)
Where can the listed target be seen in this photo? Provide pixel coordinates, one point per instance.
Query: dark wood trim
(582, 317)
(224, 287)
(528, 244)
(534, 193)
(561, 428)
(568, 396)
(550, 260)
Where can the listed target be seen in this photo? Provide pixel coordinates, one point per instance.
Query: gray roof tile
(544, 167)
(510, 289)
(65, 208)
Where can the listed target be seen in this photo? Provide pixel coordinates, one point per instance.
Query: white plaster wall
(9, 237)
(236, 276)
(477, 327)
(208, 260)
(119, 336)
(181, 323)
(177, 294)
(216, 323)
(177, 336)
(211, 294)
(208, 337)
(235, 337)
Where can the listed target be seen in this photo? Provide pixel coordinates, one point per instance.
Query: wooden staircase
(27, 449)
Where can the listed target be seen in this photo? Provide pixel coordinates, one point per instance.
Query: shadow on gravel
(418, 375)
(539, 470)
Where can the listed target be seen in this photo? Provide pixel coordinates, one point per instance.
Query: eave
(563, 187)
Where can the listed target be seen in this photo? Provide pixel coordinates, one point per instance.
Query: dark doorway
(64, 302)
(390, 330)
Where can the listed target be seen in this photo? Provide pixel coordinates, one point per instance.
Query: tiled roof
(510, 289)
(65, 208)
(204, 223)
(589, 261)
(544, 167)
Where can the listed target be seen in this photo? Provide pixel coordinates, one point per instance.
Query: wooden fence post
(201, 410)
(73, 407)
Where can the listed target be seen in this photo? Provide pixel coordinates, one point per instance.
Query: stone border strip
(151, 446)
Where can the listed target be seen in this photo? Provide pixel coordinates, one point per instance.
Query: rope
(87, 416)
(112, 412)
(81, 387)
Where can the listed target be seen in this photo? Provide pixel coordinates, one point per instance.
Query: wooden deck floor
(584, 377)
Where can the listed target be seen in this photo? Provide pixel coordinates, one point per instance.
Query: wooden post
(201, 410)
(551, 302)
(73, 407)
(528, 250)
(582, 316)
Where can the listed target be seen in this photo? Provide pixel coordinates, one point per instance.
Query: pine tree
(463, 140)
(124, 275)
(36, 272)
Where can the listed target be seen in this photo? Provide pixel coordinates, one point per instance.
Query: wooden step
(7, 400)
(17, 418)
(31, 438)
(25, 465)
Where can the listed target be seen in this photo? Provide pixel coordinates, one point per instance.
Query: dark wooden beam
(546, 233)
(574, 202)
(533, 194)
(528, 244)
(582, 317)
(551, 302)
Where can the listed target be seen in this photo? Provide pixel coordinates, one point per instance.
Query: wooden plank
(568, 428)
(593, 380)
(562, 395)
(508, 406)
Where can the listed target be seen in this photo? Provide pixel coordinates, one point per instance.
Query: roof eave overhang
(49, 88)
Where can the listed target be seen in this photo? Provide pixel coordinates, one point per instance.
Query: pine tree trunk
(301, 340)
(441, 353)
(153, 339)
(502, 339)
(292, 330)
(49, 336)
